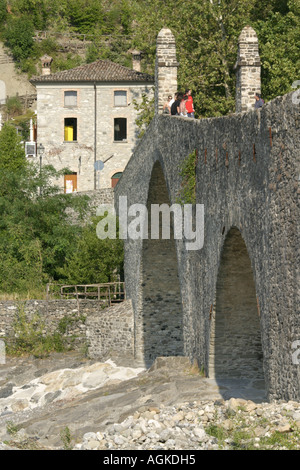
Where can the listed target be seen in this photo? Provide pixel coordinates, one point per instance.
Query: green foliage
(146, 113)
(22, 122)
(35, 9)
(29, 337)
(280, 64)
(66, 63)
(12, 154)
(12, 428)
(13, 106)
(67, 321)
(3, 11)
(39, 242)
(241, 436)
(48, 46)
(206, 35)
(85, 15)
(36, 234)
(18, 37)
(187, 193)
(66, 438)
(93, 260)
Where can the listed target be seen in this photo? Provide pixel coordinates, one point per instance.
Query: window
(120, 129)
(70, 98)
(70, 129)
(120, 98)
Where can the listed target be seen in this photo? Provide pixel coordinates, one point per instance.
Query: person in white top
(167, 105)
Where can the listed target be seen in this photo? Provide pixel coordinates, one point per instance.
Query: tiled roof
(100, 71)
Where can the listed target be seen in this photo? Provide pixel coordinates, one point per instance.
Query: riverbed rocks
(202, 425)
(67, 402)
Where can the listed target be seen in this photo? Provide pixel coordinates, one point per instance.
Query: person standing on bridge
(167, 105)
(182, 108)
(175, 105)
(189, 105)
(259, 102)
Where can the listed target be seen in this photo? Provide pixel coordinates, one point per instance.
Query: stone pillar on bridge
(248, 70)
(165, 68)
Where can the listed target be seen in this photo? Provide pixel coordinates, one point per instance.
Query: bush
(29, 338)
(18, 36)
(13, 106)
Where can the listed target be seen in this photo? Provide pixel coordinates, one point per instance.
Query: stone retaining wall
(82, 323)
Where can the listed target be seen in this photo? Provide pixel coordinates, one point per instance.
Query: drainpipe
(95, 133)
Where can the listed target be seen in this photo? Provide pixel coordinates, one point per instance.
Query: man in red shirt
(189, 104)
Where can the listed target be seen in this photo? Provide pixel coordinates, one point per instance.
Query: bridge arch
(235, 340)
(161, 327)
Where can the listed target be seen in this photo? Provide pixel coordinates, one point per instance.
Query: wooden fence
(107, 293)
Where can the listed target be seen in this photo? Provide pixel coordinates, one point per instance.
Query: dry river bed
(67, 402)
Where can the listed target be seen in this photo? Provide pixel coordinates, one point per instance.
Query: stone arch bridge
(233, 305)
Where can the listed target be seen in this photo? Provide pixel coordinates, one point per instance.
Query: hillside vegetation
(206, 36)
(38, 243)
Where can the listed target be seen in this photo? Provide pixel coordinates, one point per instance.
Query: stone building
(86, 115)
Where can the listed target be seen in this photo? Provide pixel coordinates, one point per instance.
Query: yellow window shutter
(68, 133)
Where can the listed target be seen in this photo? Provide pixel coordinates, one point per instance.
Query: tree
(47, 236)
(12, 153)
(280, 64)
(3, 11)
(85, 15)
(35, 9)
(36, 233)
(93, 260)
(18, 37)
(206, 35)
(145, 110)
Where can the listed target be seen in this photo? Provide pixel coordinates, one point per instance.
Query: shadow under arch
(160, 290)
(236, 356)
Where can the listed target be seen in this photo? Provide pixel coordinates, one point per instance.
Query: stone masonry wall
(112, 332)
(85, 320)
(247, 177)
